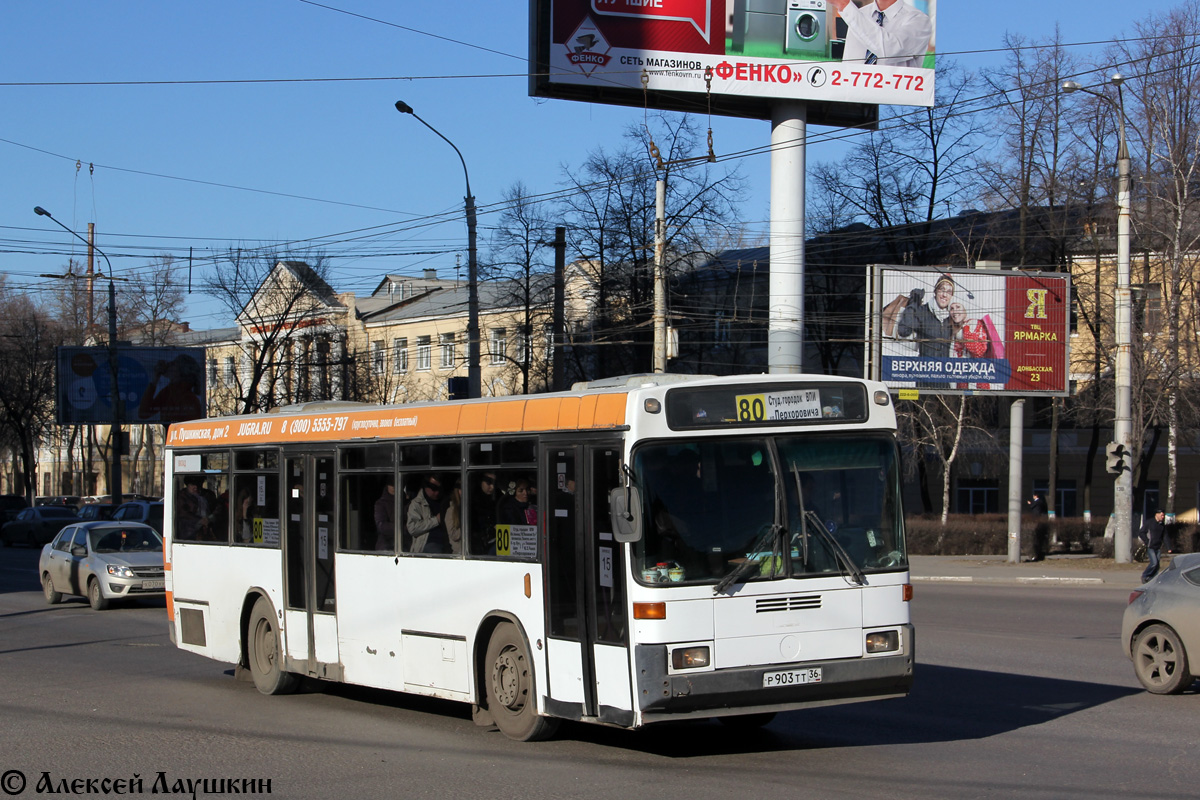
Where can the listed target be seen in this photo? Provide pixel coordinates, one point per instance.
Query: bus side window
(367, 517)
(201, 514)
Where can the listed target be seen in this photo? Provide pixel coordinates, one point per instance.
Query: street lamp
(1123, 421)
(115, 489)
(474, 378)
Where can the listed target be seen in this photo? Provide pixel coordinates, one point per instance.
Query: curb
(1038, 580)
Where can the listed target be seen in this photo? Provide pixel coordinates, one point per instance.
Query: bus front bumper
(663, 696)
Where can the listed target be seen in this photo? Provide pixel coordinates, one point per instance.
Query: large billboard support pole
(785, 331)
(1016, 443)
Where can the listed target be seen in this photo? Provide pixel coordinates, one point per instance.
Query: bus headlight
(690, 658)
(883, 641)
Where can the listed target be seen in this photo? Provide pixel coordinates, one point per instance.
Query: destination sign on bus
(758, 405)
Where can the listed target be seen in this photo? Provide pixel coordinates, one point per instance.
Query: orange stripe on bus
(402, 422)
(473, 419)
(610, 411)
(541, 414)
(568, 413)
(587, 411)
(503, 417)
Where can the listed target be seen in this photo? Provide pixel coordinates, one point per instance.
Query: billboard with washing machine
(969, 331)
(738, 57)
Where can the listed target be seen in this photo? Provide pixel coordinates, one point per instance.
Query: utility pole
(558, 369)
(115, 443)
(660, 278)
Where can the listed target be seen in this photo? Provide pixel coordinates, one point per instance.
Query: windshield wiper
(839, 552)
(741, 569)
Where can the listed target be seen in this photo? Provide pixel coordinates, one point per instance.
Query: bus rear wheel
(508, 684)
(264, 653)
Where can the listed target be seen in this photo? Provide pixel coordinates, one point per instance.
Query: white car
(103, 561)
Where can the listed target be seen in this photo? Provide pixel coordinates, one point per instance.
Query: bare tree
(942, 426)
(610, 216)
(523, 279)
(1034, 149)
(150, 309)
(27, 341)
(289, 351)
(913, 170)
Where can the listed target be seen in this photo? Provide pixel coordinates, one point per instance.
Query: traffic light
(1115, 453)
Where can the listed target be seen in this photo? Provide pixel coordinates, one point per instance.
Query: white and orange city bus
(653, 548)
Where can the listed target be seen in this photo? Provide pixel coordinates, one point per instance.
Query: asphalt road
(1019, 691)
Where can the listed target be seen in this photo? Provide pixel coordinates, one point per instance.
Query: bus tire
(264, 654)
(509, 687)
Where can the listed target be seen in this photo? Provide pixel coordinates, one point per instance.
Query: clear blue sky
(218, 165)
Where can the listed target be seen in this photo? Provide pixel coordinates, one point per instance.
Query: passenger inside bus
(425, 522)
(482, 517)
(385, 517)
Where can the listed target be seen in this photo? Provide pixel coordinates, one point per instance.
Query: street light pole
(1123, 420)
(115, 488)
(474, 377)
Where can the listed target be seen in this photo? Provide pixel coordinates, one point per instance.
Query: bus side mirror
(625, 512)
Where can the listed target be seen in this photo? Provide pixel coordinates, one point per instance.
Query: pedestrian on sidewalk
(1152, 534)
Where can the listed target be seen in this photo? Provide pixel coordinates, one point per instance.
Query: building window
(377, 358)
(399, 356)
(1147, 307)
(446, 342)
(424, 353)
(230, 370)
(497, 346)
(212, 371)
(978, 497)
(1065, 504)
(522, 347)
(548, 337)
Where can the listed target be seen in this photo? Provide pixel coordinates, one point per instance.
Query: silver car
(104, 561)
(1161, 627)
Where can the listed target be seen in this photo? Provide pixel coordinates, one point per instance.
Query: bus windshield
(791, 505)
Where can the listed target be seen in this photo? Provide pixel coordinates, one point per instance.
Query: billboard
(157, 385)
(737, 56)
(969, 330)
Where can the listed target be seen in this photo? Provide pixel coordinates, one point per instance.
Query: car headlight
(120, 572)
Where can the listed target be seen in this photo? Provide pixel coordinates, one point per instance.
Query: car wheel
(264, 652)
(508, 678)
(52, 597)
(96, 597)
(1160, 661)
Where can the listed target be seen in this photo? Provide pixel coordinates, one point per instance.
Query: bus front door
(587, 654)
(310, 613)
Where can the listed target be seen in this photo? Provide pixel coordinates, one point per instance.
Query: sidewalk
(1066, 570)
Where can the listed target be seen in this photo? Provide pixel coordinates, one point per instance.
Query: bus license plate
(792, 677)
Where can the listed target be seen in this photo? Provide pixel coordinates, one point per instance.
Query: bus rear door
(310, 614)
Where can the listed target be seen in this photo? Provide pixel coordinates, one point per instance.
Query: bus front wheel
(508, 683)
(264, 653)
